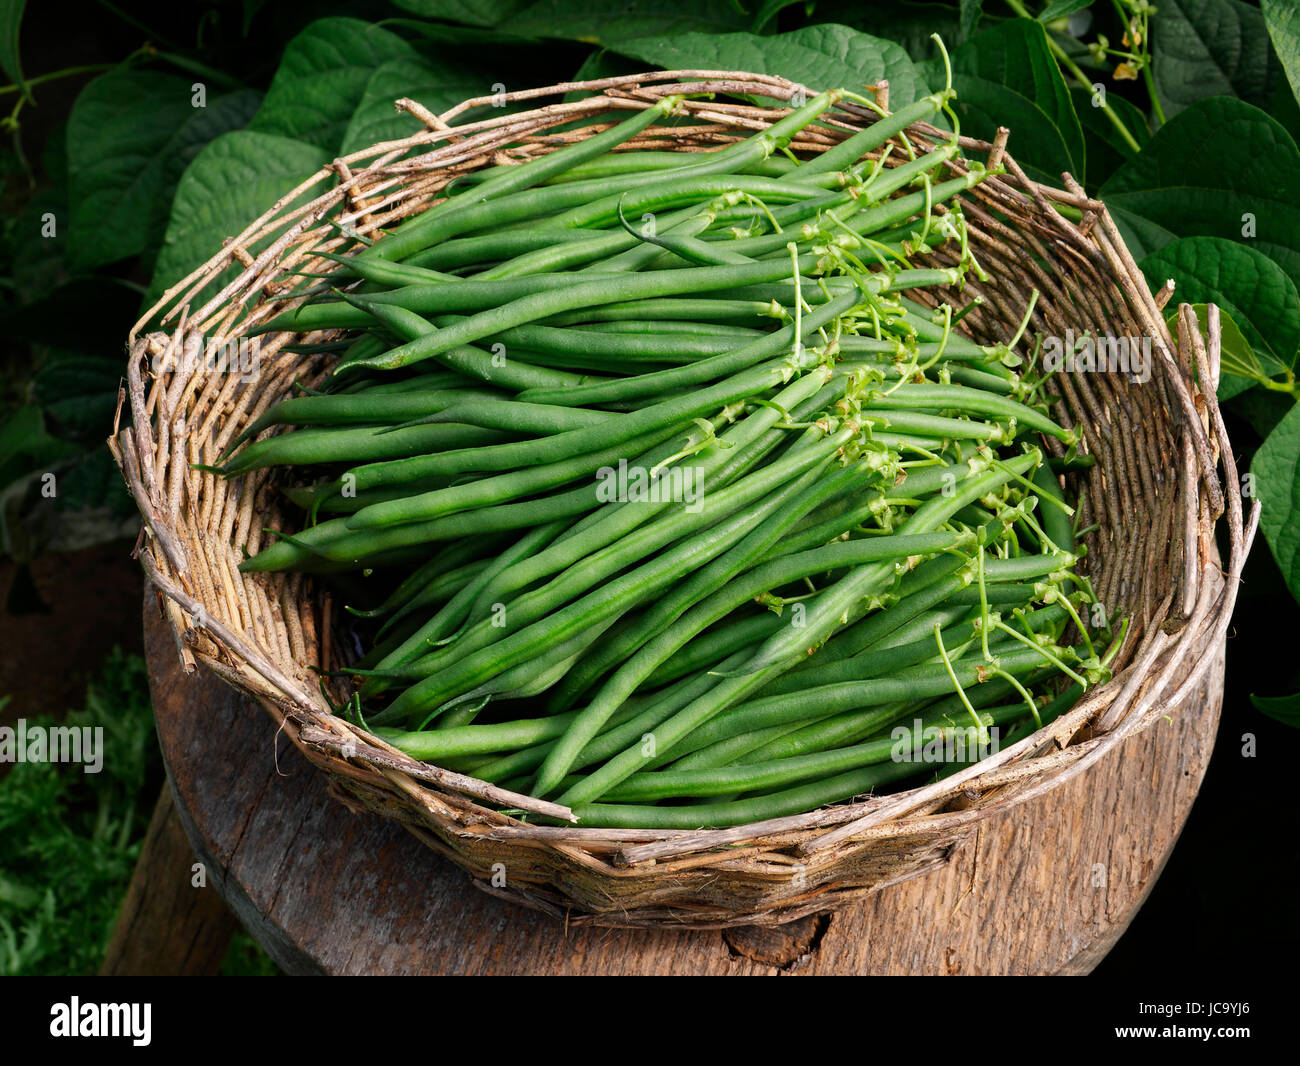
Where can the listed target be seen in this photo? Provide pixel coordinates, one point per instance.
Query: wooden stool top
(1046, 887)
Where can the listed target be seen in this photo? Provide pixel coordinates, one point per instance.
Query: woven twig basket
(1155, 495)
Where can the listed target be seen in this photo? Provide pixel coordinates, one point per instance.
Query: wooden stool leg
(167, 927)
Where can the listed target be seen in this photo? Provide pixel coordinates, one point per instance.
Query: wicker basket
(1154, 493)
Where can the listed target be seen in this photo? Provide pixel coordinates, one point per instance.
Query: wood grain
(1046, 888)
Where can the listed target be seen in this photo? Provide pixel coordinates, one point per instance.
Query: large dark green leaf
(909, 24)
(11, 18)
(375, 119)
(1204, 48)
(1282, 17)
(767, 11)
(1182, 184)
(1246, 284)
(78, 392)
(25, 444)
(130, 136)
(1284, 709)
(323, 77)
(1057, 8)
(610, 21)
(821, 57)
(1276, 467)
(87, 312)
(1107, 150)
(471, 12)
(233, 181)
(1014, 57)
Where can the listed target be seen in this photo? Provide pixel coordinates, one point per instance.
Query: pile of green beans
(656, 485)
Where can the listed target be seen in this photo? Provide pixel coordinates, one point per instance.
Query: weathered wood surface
(1045, 888)
(168, 925)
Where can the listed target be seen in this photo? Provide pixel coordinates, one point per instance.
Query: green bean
(712, 646)
(338, 410)
(803, 495)
(610, 599)
(940, 397)
(580, 294)
(731, 688)
(442, 624)
(490, 247)
(855, 146)
(743, 811)
(705, 370)
(851, 696)
(654, 347)
(551, 461)
(440, 563)
(1055, 520)
(626, 725)
(861, 582)
(712, 781)
(449, 218)
(671, 328)
(333, 540)
(530, 418)
(751, 438)
(668, 309)
(357, 444)
(440, 744)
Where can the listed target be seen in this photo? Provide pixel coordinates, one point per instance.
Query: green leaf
(323, 77)
(609, 21)
(23, 434)
(1261, 410)
(1282, 17)
(1246, 284)
(1204, 48)
(375, 119)
(1107, 150)
(443, 33)
(1174, 186)
(1060, 8)
(232, 182)
(1284, 709)
(11, 18)
(769, 9)
(1276, 467)
(1036, 142)
(105, 307)
(821, 57)
(602, 63)
(471, 12)
(78, 392)
(970, 16)
(1014, 57)
(130, 135)
(908, 24)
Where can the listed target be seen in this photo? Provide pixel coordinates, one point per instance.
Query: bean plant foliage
(1181, 114)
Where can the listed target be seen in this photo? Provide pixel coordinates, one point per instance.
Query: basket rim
(1185, 641)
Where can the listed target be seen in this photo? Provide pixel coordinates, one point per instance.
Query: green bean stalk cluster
(661, 484)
